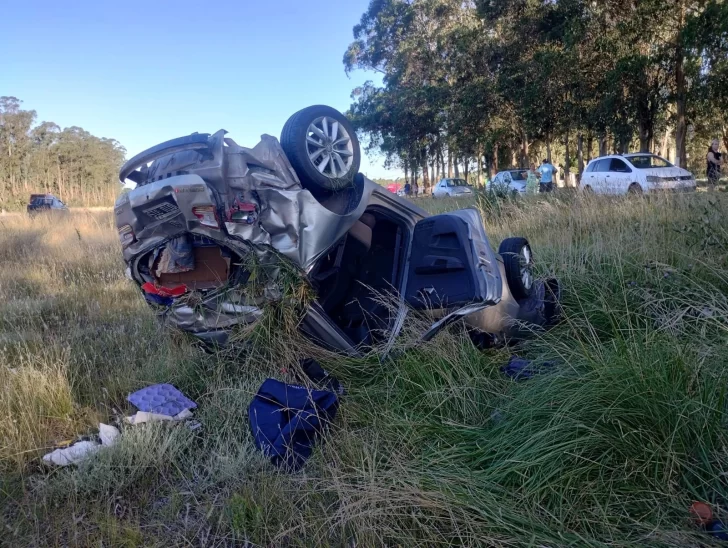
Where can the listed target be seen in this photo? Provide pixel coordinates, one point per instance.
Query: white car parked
(514, 179)
(634, 173)
(453, 188)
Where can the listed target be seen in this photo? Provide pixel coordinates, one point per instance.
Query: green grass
(432, 448)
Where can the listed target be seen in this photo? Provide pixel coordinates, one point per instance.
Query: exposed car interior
(365, 264)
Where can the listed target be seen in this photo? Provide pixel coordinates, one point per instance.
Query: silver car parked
(206, 212)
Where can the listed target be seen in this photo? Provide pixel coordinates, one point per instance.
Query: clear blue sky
(143, 72)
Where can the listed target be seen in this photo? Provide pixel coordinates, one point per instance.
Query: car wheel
(518, 264)
(588, 190)
(323, 149)
(634, 188)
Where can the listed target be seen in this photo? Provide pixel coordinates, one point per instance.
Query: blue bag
(287, 420)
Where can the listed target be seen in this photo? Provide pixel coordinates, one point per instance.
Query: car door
(452, 268)
(619, 176)
(437, 191)
(508, 179)
(599, 176)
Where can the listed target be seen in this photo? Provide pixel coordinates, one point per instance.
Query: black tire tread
(509, 251)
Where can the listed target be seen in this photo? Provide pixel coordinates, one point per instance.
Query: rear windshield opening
(194, 261)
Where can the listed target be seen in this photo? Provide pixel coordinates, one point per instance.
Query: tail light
(206, 215)
(126, 236)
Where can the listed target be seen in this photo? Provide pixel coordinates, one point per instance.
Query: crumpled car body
(205, 207)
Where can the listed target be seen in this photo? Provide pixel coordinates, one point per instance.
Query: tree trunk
(524, 151)
(548, 148)
(680, 92)
(681, 129)
(495, 157)
(567, 161)
(480, 166)
(589, 146)
(457, 167)
(645, 133)
(441, 155)
(603, 145)
(465, 167)
(580, 154)
(406, 172)
(433, 163)
(449, 164)
(425, 176)
(665, 144)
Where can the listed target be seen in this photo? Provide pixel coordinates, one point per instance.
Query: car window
(619, 166)
(456, 182)
(601, 165)
(648, 161)
(519, 175)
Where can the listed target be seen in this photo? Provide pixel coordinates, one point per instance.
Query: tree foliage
(498, 80)
(78, 167)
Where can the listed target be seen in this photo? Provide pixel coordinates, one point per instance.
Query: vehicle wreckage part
(323, 149)
(446, 269)
(126, 236)
(206, 215)
(518, 262)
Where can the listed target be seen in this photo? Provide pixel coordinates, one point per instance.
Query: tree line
(489, 84)
(80, 168)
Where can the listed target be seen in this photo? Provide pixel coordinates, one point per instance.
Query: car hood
(665, 172)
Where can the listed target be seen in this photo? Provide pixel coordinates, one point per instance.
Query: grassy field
(433, 448)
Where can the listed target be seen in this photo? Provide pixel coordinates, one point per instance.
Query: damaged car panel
(205, 209)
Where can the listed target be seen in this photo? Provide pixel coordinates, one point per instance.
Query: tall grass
(433, 446)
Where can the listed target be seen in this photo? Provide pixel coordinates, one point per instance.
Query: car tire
(323, 149)
(635, 189)
(518, 264)
(588, 190)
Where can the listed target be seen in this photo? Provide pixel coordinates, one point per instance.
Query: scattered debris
(108, 434)
(319, 375)
(144, 416)
(286, 420)
(497, 417)
(718, 530)
(82, 450)
(520, 369)
(162, 399)
(702, 515)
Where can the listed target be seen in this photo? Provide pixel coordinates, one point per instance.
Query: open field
(435, 447)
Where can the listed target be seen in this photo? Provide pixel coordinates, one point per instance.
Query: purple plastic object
(164, 399)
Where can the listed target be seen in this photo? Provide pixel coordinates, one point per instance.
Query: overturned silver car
(204, 209)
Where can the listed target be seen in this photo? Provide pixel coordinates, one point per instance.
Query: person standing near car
(546, 170)
(714, 160)
(531, 180)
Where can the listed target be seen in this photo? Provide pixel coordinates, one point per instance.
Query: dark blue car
(45, 202)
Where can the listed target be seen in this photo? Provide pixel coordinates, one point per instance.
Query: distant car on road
(513, 179)
(634, 174)
(45, 202)
(451, 188)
